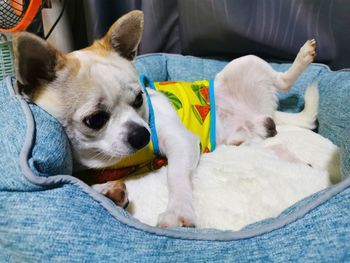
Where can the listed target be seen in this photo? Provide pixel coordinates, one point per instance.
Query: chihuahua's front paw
(175, 218)
(114, 190)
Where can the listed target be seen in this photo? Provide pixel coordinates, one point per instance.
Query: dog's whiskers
(97, 155)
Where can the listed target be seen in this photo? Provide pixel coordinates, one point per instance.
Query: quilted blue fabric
(46, 215)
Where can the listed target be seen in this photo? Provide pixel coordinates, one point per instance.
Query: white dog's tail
(307, 117)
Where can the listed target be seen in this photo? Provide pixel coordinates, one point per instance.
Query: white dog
(96, 95)
(238, 185)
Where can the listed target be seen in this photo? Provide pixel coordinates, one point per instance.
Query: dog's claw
(312, 42)
(173, 219)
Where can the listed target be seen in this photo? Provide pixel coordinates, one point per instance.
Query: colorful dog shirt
(195, 106)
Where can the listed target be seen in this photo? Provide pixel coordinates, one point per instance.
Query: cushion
(48, 215)
(47, 148)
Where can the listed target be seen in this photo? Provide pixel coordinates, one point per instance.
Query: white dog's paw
(176, 218)
(307, 52)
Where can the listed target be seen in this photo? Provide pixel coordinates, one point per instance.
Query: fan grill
(16, 15)
(12, 12)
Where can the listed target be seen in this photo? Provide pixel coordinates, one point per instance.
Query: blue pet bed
(46, 215)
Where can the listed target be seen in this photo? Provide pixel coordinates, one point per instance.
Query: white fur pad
(238, 185)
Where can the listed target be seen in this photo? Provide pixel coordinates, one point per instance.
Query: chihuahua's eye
(138, 101)
(96, 120)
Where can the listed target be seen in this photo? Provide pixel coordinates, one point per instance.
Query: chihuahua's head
(93, 92)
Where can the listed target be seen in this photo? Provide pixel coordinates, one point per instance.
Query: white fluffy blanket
(235, 186)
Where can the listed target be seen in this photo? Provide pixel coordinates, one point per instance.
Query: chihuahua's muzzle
(138, 136)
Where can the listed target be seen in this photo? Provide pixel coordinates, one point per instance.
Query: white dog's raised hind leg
(306, 54)
(307, 117)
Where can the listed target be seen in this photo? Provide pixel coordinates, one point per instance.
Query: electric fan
(16, 15)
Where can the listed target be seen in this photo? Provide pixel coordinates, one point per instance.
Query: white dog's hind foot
(306, 54)
(285, 80)
(177, 218)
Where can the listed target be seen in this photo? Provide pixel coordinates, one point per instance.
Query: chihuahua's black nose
(138, 136)
(270, 127)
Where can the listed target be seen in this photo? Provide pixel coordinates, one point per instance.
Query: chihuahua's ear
(36, 61)
(125, 34)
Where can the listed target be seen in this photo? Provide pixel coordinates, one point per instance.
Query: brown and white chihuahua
(96, 95)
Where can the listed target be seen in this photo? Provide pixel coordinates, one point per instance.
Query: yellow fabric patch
(192, 104)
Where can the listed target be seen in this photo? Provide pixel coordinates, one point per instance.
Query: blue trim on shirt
(151, 117)
(212, 115)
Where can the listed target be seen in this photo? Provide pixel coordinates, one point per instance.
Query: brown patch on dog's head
(72, 64)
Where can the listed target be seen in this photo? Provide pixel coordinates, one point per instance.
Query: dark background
(271, 29)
